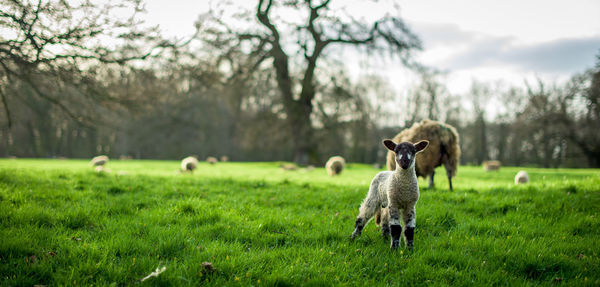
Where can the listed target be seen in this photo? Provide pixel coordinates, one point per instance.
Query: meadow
(256, 224)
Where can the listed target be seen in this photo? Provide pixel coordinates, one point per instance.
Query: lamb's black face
(405, 154)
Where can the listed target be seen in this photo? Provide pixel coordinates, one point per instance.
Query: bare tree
(580, 113)
(321, 28)
(424, 101)
(480, 93)
(56, 42)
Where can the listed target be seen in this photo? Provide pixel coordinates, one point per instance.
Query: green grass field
(63, 224)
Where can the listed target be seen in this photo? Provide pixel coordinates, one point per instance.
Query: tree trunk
(502, 135)
(482, 153)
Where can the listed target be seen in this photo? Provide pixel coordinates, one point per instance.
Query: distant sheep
(443, 149)
(288, 166)
(335, 165)
(522, 177)
(189, 164)
(224, 158)
(491, 165)
(211, 160)
(100, 160)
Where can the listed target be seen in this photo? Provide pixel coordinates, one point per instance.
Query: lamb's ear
(389, 144)
(420, 146)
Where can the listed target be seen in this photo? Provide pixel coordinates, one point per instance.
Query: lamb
(224, 158)
(392, 193)
(189, 164)
(443, 149)
(491, 165)
(521, 177)
(335, 165)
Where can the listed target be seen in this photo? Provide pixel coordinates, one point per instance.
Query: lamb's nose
(404, 164)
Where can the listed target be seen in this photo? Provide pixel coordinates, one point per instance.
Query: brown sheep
(443, 149)
(212, 160)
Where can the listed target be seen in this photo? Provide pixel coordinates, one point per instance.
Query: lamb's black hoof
(355, 234)
(395, 244)
(410, 245)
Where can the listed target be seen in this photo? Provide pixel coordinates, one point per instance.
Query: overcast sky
(508, 41)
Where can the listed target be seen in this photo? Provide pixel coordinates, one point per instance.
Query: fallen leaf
(155, 273)
(31, 259)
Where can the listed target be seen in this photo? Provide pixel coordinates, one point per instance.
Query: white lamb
(393, 193)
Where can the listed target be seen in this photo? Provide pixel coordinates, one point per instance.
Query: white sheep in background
(393, 193)
(189, 164)
(522, 177)
(335, 165)
(100, 160)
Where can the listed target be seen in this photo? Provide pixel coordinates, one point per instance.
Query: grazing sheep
(393, 194)
(288, 166)
(443, 149)
(491, 165)
(100, 160)
(211, 160)
(522, 177)
(335, 165)
(189, 164)
(224, 158)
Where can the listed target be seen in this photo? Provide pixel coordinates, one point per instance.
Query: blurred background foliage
(67, 93)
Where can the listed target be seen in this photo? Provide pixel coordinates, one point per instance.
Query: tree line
(267, 90)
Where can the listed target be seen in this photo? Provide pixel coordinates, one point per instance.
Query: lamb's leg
(385, 222)
(409, 217)
(431, 180)
(395, 227)
(367, 209)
